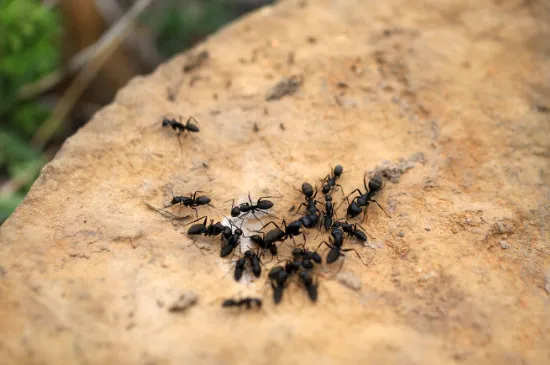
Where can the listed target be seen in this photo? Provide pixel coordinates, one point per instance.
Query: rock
(84, 250)
(184, 301)
(504, 245)
(350, 280)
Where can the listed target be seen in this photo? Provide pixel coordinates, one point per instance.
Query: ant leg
(196, 220)
(326, 244)
(255, 216)
(304, 235)
(299, 206)
(364, 230)
(179, 141)
(341, 188)
(365, 182)
(357, 253)
(268, 223)
(249, 198)
(191, 119)
(347, 197)
(381, 208)
(196, 211)
(365, 213)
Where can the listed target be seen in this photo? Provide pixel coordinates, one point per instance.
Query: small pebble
(427, 229)
(504, 245)
(350, 280)
(401, 234)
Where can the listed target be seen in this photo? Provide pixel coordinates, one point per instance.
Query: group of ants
(303, 260)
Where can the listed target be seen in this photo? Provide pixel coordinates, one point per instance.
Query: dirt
(84, 262)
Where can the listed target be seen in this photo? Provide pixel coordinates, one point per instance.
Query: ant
(309, 283)
(277, 234)
(363, 200)
(311, 219)
(278, 277)
(231, 242)
(335, 245)
(245, 302)
(351, 230)
(310, 203)
(255, 263)
(213, 229)
(328, 215)
(305, 258)
(330, 180)
(265, 242)
(261, 206)
(190, 201)
(180, 127)
(239, 268)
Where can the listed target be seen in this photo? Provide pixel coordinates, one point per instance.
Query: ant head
(238, 232)
(328, 198)
(338, 170)
(375, 183)
(166, 122)
(235, 212)
(307, 190)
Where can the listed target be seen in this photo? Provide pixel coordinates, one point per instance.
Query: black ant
(239, 268)
(265, 243)
(311, 218)
(277, 234)
(310, 221)
(231, 242)
(255, 264)
(191, 201)
(305, 258)
(180, 127)
(329, 214)
(278, 277)
(245, 302)
(335, 245)
(351, 230)
(363, 200)
(330, 180)
(310, 284)
(213, 229)
(261, 206)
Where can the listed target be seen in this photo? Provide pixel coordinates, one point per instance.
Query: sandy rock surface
(452, 94)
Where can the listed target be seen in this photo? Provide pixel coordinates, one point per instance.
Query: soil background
(454, 92)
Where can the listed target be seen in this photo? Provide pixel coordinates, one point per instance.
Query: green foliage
(29, 34)
(180, 28)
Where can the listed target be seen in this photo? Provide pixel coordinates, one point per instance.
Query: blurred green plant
(179, 27)
(29, 49)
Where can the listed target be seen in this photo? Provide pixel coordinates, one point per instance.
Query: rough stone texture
(87, 270)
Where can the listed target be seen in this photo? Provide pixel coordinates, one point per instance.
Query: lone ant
(179, 127)
(244, 208)
(191, 201)
(364, 199)
(213, 229)
(330, 180)
(336, 244)
(245, 302)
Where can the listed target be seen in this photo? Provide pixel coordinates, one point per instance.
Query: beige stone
(85, 263)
